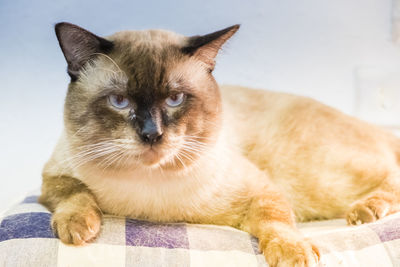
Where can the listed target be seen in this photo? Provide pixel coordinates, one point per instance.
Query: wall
(308, 47)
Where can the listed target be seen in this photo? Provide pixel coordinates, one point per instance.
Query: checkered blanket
(27, 240)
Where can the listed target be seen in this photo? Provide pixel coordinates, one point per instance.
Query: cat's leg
(376, 205)
(76, 217)
(270, 218)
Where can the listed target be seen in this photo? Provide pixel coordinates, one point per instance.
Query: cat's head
(141, 97)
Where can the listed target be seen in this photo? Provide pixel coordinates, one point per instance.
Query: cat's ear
(206, 47)
(79, 46)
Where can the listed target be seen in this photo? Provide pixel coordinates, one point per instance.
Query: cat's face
(141, 98)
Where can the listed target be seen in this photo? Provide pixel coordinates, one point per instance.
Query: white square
(213, 258)
(367, 257)
(96, 255)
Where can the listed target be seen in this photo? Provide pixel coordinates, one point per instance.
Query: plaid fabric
(27, 240)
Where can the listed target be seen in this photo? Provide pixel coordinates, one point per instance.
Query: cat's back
(255, 100)
(302, 143)
(263, 118)
(255, 114)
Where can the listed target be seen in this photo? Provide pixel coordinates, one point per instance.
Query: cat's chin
(151, 157)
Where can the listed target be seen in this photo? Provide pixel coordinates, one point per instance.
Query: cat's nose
(151, 137)
(150, 133)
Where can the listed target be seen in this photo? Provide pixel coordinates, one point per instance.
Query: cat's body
(321, 159)
(320, 169)
(246, 160)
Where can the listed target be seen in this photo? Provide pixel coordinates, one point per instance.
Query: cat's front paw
(76, 226)
(290, 251)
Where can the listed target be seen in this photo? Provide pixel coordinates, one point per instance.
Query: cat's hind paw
(371, 209)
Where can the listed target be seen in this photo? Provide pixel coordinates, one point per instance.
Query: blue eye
(175, 100)
(118, 101)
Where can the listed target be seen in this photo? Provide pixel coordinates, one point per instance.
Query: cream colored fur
(319, 158)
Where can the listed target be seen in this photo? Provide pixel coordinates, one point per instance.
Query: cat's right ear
(206, 47)
(79, 46)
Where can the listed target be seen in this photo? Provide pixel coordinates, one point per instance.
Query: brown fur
(251, 159)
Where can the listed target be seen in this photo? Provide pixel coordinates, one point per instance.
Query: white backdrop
(308, 47)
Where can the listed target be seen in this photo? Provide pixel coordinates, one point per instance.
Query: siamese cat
(149, 134)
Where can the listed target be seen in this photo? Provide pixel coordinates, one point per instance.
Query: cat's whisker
(95, 149)
(127, 160)
(121, 158)
(114, 152)
(186, 153)
(85, 159)
(89, 153)
(107, 142)
(186, 156)
(102, 143)
(113, 159)
(108, 158)
(114, 72)
(195, 137)
(101, 54)
(122, 161)
(193, 150)
(81, 129)
(195, 147)
(196, 144)
(180, 160)
(111, 156)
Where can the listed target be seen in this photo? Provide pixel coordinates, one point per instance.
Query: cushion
(26, 239)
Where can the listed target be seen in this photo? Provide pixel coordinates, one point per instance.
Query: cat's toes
(282, 252)
(369, 210)
(76, 227)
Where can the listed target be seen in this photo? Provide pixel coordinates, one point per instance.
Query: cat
(149, 134)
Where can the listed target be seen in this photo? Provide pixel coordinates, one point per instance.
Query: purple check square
(148, 234)
(26, 225)
(390, 230)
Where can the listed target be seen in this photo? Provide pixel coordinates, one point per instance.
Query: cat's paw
(370, 209)
(76, 226)
(287, 252)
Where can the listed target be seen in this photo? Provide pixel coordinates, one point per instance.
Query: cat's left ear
(206, 47)
(79, 46)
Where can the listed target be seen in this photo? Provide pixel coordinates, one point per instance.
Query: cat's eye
(118, 101)
(175, 100)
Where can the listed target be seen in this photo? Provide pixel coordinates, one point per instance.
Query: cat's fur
(251, 159)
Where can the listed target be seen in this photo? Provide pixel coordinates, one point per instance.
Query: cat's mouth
(180, 155)
(151, 156)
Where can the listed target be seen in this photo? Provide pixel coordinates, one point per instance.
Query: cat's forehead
(146, 57)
